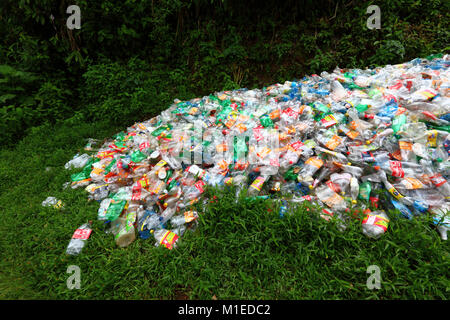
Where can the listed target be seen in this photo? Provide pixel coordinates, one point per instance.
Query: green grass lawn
(238, 251)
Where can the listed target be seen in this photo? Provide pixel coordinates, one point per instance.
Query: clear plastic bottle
(256, 186)
(79, 239)
(239, 181)
(437, 180)
(354, 189)
(151, 222)
(331, 198)
(312, 165)
(342, 180)
(401, 169)
(165, 238)
(394, 192)
(193, 192)
(375, 224)
(290, 157)
(125, 233)
(325, 172)
(441, 220)
(283, 208)
(168, 213)
(187, 217)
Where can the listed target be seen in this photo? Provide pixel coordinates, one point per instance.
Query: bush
(131, 58)
(16, 102)
(25, 102)
(124, 93)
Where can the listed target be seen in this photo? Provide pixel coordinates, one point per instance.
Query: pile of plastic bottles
(358, 143)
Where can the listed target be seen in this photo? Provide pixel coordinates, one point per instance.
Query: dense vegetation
(129, 61)
(131, 58)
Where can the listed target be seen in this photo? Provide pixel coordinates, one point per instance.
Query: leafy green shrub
(53, 101)
(25, 102)
(124, 93)
(389, 52)
(322, 61)
(16, 102)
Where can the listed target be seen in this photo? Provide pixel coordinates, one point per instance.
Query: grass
(238, 251)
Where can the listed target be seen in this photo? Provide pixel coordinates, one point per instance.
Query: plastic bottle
(283, 208)
(394, 192)
(312, 165)
(150, 221)
(239, 181)
(375, 224)
(78, 161)
(291, 156)
(342, 180)
(256, 186)
(436, 179)
(330, 198)
(52, 202)
(168, 213)
(79, 239)
(187, 217)
(354, 189)
(125, 233)
(441, 220)
(165, 238)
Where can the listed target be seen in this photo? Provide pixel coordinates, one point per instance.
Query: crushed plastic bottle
(166, 238)
(52, 202)
(123, 229)
(339, 140)
(187, 217)
(375, 224)
(78, 161)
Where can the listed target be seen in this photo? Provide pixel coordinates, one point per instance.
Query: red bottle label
(169, 239)
(82, 234)
(397, 170)
(438, 180)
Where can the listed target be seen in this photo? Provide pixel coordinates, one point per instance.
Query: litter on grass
(361, 144)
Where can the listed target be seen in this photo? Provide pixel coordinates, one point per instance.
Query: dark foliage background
(131, 58)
